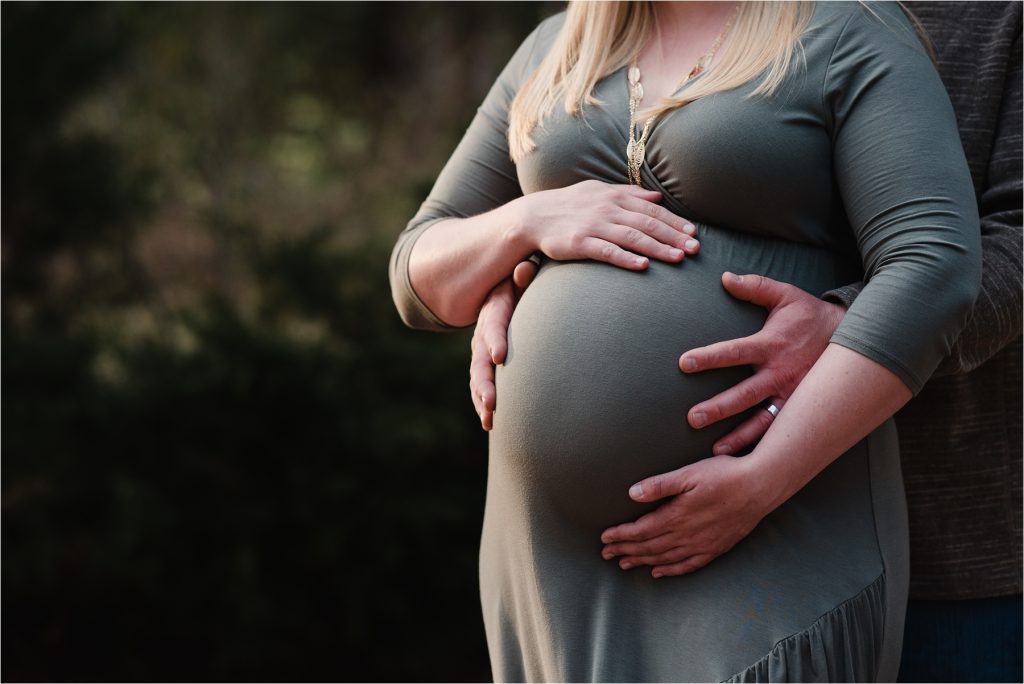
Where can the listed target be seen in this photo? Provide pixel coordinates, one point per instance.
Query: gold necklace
(636, 149)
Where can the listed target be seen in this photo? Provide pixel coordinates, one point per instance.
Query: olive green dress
(853, 168)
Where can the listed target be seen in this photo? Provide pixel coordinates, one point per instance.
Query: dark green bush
(223, 456)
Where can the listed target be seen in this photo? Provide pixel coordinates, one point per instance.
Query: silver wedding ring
(772, 409)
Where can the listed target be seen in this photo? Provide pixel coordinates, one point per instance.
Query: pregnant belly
(591, 399)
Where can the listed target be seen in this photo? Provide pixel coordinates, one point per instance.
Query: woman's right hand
(619, 224)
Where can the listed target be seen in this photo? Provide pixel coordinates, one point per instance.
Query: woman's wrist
(842, 398)
(768, 480)
(517, 234)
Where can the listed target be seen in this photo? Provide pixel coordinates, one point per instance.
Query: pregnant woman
(810, 143)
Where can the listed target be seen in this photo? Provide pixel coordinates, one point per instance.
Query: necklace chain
(636, 150)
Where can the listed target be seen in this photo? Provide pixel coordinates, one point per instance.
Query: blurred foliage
(223, 456)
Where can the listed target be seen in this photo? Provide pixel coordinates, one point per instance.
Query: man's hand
(713, 506)
(796, 333)
(490, 339)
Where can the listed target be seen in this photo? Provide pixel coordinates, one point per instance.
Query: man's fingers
(495, 316)
(524, 274)
(737, 399)
(478, 405)
(488, 395)
(756, 289)
(483, 395)
(481, 384)
(495, 339)
(481, 368)
(483, 410)
(683, 567)
(747, 433)
(743, 351)
(489, 347)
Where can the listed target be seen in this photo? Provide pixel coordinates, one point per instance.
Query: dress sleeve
(478, 177)
(907, 192)
(995, 319)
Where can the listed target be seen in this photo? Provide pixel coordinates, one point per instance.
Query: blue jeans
(977, 640)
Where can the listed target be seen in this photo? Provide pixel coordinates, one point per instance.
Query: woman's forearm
(456, 262)
(841, 400)
(715, 502)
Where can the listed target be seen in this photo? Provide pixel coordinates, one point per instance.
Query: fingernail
(636, 491)
(688, 228)
(639, 261)
(691, 244)
(607, 556)
(723, 450)
(675, 253)
(699, 418)
(655, 574)
(625, 565)
(690, 364)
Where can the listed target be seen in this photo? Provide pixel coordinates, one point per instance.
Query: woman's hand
(719, 500)
(618, 224)
(713, 506)
(456, 262)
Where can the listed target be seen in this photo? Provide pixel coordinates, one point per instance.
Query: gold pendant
(639, 150)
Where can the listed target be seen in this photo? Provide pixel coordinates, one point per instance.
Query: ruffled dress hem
(843, 645)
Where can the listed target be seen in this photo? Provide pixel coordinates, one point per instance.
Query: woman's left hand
(715, 503)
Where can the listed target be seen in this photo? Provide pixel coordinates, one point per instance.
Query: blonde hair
(765, 35)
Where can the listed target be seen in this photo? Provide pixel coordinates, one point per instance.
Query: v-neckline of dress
(646, 172)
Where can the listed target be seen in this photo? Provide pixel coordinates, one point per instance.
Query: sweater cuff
(844, 295)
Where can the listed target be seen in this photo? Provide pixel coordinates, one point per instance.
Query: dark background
(223, 456)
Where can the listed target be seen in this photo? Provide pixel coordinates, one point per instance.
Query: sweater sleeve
(907, 192)
(995, 319)
(478, 177)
